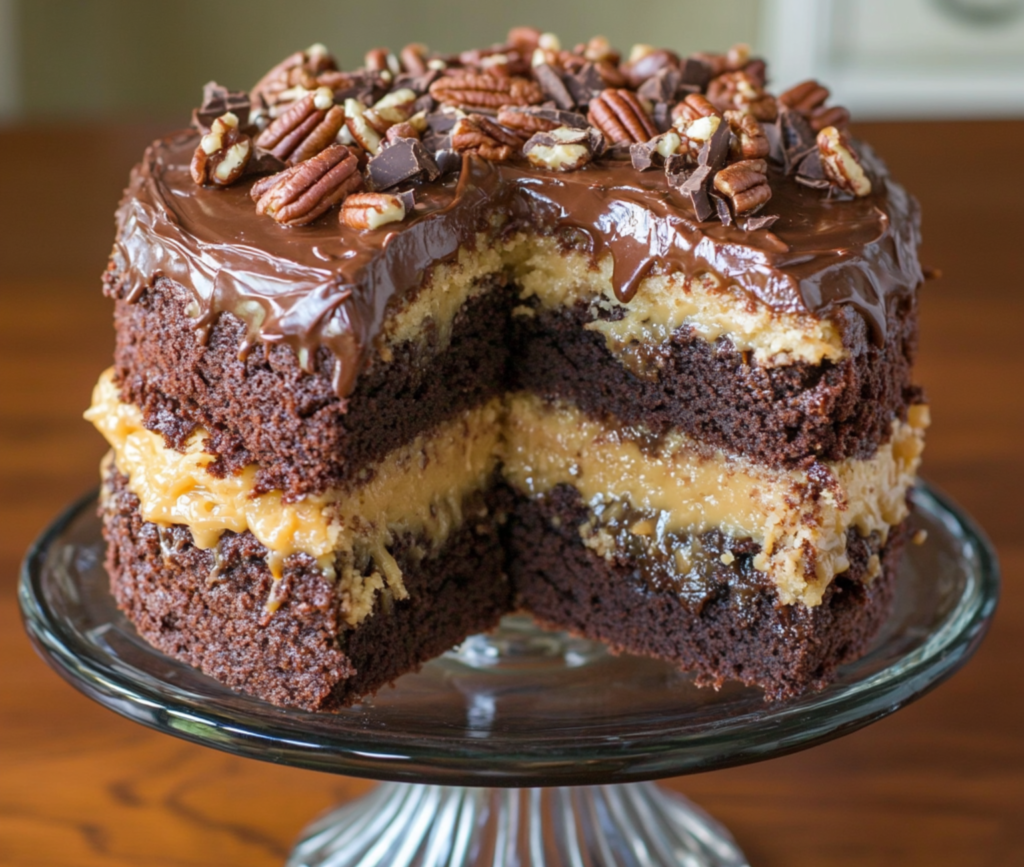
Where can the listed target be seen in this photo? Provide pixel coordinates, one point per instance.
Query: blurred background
(936, 86)
(124, 58)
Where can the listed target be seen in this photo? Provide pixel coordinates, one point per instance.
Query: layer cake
(623, 344)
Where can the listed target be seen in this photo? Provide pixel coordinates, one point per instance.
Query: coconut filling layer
(419, 489)
(551, 277)
(799, 519)
(800, 522)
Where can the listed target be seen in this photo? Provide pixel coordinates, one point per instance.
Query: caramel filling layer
(556, 277)
(418, 489)
(800, 523)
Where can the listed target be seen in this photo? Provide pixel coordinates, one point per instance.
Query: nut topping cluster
(366, 139)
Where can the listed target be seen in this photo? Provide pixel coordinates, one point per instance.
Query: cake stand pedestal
(522, 747)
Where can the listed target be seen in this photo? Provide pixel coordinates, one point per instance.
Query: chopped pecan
(749, 141)
(381, 60)
(840, 162)
(738, 90)
(222, 153)
(809, 98)
(300, 194)
(645, 61)
(414, 58)
(401, 130)
(305, 129)
(599, 50)
(694, 106)
(524, 39)
(482, 136)
(371, 210)
(524, 122)
(297, 74)
(620, 116)
(745, 183)
(360, 126)
(482, 90)
(564, 149)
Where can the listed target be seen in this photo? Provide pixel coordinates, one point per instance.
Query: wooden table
(940, 783)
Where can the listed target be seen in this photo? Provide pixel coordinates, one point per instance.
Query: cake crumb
(920, 537)
(727, 558)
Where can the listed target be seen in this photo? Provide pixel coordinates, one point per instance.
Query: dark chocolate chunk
(441, 121)
(425, 103)
(618, 151)
(716, 149)
(408, 200)
(695, 72)
(810, 167)
(661, 114)
(218, 100)
(694, 187)
(263, 163)
(642, 155)
(722, 207)
(675, 164)
(585, 84)
(418, 84)
(662, 86)
(403, 160)
(553, 86)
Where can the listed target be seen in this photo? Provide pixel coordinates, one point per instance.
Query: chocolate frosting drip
(328, 285)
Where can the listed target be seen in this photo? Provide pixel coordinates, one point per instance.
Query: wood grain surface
(940, 783)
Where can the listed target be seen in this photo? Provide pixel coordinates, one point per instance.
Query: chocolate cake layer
(783, 416)
(208, 608)
(723, 621)
(266, 410)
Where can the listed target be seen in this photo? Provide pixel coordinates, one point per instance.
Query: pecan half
(738, 90)
(749, 141)
(809, 98)
(295, 75)
(620, 116)
(483, 90)
(598, 49)
(305, 129)
(222, 154)
(371, 210)
(414, 58)
(645, 61)
(745, 183)
(524, 122)
(840, 162)
(300, 194)
(482, 136)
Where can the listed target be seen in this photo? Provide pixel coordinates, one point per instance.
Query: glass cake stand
(523, 746)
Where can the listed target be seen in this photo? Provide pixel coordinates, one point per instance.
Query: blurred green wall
(138, 58)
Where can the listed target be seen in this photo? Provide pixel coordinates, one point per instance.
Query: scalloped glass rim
(611, 719)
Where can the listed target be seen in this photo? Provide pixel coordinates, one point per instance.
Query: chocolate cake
(623, 343)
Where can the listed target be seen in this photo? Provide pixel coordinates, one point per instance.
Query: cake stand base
(403, 824)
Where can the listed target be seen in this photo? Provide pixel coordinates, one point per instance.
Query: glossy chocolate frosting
(328, 285)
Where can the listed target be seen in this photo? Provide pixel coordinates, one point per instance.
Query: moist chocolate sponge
(731, 628)
(212, 615)
(265, 409)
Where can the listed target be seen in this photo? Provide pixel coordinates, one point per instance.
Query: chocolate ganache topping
(328, 284)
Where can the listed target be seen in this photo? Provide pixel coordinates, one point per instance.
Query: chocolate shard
(810, 167)
(642, 155)
(551, 83)
(722, 207)
(418, 84)
(675, 164)
(795, 138)
(585, 84)
(408, 200)
(263, 163)
(662, 86)
(753, 224)
(695, 72)
(618, 151)
(404, 160)
(661, 114)
(715, 151)
(216, 101)
(694, 185)
(425, 103)
(443, 120)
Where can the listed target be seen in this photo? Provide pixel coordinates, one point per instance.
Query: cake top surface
(307, 205)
